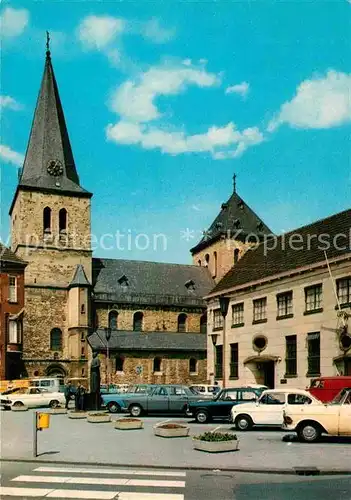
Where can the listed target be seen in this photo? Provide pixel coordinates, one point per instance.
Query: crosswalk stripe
(100, 480)
(23, 492)
(91, 494)
(130, 472)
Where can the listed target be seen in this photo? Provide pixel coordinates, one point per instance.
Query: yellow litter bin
(43, 421)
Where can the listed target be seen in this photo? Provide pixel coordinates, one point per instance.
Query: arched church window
(203, 324)
(47, 220)
(56, 339)
(138, 321)
(157, 364)
(63, 220)
(112, 320)
(182, 323)
(236, 255)
(192, 365)
(119, 363)
(207, 260)
(214, 264)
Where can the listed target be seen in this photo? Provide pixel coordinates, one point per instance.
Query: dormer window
(219, 225)
(259, 226)
(123, 281)
(224, 206)
(241, 205)
(190, 285)
(236, 224)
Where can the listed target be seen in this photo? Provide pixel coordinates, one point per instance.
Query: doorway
(269, 374)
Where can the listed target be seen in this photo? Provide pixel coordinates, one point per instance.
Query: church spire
(49, 164)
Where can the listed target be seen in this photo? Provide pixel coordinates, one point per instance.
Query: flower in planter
(216, 437)
(171, 426)
(128, 420)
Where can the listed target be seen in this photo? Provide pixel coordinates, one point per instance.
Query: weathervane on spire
(234, 182)
(47, 43)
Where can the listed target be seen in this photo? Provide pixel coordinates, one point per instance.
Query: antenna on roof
(234, 182)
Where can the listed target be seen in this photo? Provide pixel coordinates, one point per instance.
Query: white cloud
(97, 32)
(135, 100)
(9, 102)
(153, 31)
(222, 142)
(322, 102)
(240, 88)
(13, 22)
(9, 156)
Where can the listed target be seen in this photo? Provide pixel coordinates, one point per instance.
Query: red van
(326, 388)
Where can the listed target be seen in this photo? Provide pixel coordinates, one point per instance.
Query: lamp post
(224, 304)
(108, 336)
(214, 337)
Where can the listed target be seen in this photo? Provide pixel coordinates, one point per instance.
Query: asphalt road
(34, 480)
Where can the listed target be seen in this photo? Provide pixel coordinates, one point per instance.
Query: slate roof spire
(49, 164)
(235, 220)
(80, 278)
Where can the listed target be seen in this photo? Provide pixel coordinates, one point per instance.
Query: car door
(178, 399)
(158, 400)
(345, 418)
(221, 408)
(269, 409)
(34, 398)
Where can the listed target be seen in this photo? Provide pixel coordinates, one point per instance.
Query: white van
(206, 390)
(51, 384)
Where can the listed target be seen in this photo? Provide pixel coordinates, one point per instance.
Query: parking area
(82, 442)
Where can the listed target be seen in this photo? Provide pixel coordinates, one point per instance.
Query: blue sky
(164, 101)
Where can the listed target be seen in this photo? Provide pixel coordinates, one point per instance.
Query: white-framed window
(12, 289)
(217, 319)
(344, 290)
(285, 304)
(14, 332)
(313, 297)
(238, 314)
(260, 309)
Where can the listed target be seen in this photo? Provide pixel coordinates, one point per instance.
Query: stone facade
(175, 368)
(270, 365)
(221, 255)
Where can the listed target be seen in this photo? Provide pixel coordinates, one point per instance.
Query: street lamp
(108, 336)
(214, 337)
(224, 305)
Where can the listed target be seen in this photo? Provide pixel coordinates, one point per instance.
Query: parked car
(34, 397)
(312, 421)
(208, 390)
(326, 388)
(160, 399)
(220, 407)
(268, 410)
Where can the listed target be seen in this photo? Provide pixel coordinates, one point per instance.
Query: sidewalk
(78, 441)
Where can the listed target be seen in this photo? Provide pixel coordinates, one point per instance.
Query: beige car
(310, 422)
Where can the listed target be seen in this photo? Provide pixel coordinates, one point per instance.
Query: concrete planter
(77, 414)
(125, 424)
(58, 411)
(171, 430)
(216, 446)
(19, 408)
(98, 418)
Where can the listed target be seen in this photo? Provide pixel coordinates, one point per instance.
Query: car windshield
(339, 397)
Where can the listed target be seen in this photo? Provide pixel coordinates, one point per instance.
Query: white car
(34, 397)
(268, 409)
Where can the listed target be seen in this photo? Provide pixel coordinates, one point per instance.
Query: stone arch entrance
(55, 370)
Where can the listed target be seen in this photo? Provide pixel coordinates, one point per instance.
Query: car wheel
(309, 432)
(135, 410)
(202, 417)
(54, 403)
(113, 407)
(243, 423)
(18, 403)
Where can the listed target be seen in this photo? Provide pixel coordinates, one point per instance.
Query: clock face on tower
(55, 168)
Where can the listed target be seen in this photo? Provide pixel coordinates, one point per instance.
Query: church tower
(50, 229)
(235, 230)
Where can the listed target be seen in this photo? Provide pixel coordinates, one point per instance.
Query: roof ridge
(149, 262)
